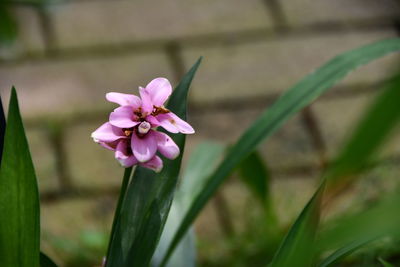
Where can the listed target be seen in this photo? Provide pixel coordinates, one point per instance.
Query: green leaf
(149, 196)
(377, 221)
(343, 252)
(255, 175)
(45, 261)
(2, 128)
(8, 26)
(372, 132)
(296, 98)
(19, 197)
(385, 263)
(201, 163)
(297, 248)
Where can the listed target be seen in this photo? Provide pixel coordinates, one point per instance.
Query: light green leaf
(296, 98)
(19, 197)
(201, 163)
(149, 197)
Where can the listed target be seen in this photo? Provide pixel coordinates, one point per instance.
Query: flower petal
(121, 151)
(107, 133)
(128, 162)
(110, 146)
(174, 124)
(166, 145)
(147, 104)
(153, 121)
(159, 90)
(124, 99)
(123, 117)
(144, 148)
(155, 164)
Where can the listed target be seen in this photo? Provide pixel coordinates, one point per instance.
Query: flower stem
(124, 187)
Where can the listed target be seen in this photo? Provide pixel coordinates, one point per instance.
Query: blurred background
(63, 56)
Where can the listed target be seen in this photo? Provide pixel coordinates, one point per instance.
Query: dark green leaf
(2, 128)
(255, 175)
(297, 248)
(19, 197)
(145, 187)
(45, 261)
(385, 263)
(382, 117)
(296, 98)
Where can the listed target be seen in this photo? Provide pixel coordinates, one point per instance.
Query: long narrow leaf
(284, 108)
(138, 212)
(45, 261)
(201, 164)
(19, 197)
(2, 128)
(297, 248)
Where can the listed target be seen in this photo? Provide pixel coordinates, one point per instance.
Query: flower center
(144, 127)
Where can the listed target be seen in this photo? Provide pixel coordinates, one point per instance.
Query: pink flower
(131, 130)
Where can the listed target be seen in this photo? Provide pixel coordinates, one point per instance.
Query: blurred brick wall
(70, 53)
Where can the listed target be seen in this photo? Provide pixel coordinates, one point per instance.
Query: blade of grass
(145, 187)
(19, 197)
(296, 98)
(343, 252)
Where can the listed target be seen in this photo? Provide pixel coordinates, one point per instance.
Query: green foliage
(19, 197)
(201, 163)
(385, 263)
(8, 26)
(45, 261)
(148, 198)
(296, 98)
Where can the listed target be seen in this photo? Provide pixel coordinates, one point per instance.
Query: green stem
(124, 187)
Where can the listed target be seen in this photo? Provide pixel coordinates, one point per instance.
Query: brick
(29, 38)
(309, 11)
(43, 159)
(287, 147)
(105, 22)
(231, 72)
(76, 86)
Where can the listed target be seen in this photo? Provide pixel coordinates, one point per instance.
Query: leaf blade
(19, 197)
(296, 98)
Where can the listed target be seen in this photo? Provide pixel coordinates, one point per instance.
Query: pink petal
(166, 145)
(159, 89)
(144, 148)
(123, 117)
(128, 162)
(107, 133)
(174, 124)
(121, 151)
(147, 104)
(124, 99)
(153, 121)
(155, 164)
(110, 146)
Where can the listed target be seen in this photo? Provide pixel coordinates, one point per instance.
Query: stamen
(144, 127)
(127, 132)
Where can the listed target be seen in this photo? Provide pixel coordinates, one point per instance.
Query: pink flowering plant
(153, 217)
(131, 131)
